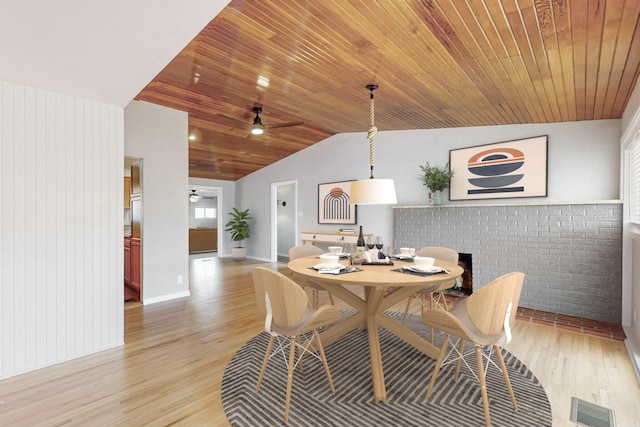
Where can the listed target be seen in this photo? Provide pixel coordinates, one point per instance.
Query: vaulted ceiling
(438, 64)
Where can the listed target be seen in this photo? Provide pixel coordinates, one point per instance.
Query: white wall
(158, 136)
(61, 250)
(583, 165)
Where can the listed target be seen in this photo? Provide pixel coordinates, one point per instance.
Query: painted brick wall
(571, 254)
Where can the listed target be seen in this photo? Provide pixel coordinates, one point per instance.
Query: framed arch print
(333, 203)
(502, 170)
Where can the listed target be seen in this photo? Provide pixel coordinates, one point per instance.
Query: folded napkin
(419, 273)
(337, 270)
(327, 271)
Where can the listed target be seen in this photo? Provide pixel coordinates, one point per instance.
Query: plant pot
(238, 253)
(437, 198)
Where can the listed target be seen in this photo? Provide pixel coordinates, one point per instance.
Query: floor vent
(590, 414)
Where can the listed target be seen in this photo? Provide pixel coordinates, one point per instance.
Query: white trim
(539, 203)
(633, 349)
(631, 131)
(66, 359)
(274, 215)
(168, 297)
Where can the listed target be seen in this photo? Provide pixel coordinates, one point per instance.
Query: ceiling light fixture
(372, 191)
(257, 128)
(263, 81)
(193, 197)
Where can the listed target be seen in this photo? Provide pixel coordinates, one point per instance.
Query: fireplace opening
(464, 283)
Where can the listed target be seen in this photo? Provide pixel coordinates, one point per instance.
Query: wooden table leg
(370, 313)
(377, 373)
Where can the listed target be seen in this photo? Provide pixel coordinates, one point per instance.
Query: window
(634, 181)
(205, 213)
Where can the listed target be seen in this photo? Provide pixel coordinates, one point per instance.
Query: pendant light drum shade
(373, 192)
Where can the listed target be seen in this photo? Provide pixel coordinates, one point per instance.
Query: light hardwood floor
(170, 369)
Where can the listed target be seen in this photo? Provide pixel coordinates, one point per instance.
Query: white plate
(328, 267)
(432, 269)
(403, 256)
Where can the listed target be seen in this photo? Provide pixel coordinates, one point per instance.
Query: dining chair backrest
(304, 250)
(288, 300)
(441, 253)
(487, 306)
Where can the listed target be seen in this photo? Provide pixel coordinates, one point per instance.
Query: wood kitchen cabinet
(136, 178)
(135, 266)
(127, 192)
(127, 260)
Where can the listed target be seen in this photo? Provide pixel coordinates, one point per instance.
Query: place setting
(423, 266)
(330, 265)
(406, 254)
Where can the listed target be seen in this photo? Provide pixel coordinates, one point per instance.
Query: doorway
(133, 231)
(284, 226)
(204, 203)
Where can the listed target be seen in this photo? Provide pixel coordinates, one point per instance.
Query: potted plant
(238, 225)
(437, 179)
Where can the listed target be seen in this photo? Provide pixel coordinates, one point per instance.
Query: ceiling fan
(257, 127)
(194, 197)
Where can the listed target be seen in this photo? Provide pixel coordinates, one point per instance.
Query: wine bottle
(360, 245)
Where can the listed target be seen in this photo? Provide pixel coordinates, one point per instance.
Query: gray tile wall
(571, 254)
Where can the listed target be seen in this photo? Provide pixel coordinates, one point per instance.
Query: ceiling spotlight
(195, 135)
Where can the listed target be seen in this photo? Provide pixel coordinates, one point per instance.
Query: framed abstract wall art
(502, 170)
(333, 203)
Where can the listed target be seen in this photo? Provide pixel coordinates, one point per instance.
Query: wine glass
(349, 249)
(370, 243)
(379, 245)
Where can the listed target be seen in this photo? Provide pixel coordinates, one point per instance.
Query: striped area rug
(407, 375)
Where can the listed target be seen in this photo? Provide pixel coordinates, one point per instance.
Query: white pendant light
(372, 191)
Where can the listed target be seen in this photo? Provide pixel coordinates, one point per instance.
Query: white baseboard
(168, 297)
(633, 349)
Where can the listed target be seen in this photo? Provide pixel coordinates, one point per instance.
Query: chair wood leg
(444, 301)
(314, 296)
(406, 310)
(461, 351)
(505, 375)
(264, 362)
(292, 356)
(431, 305)
(436, 369)
(324, 360)
(483, 386)
(331, 298)
(300, 353)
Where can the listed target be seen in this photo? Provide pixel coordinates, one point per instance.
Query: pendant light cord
(372, 130)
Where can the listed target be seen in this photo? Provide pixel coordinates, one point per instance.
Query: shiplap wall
(61, 250)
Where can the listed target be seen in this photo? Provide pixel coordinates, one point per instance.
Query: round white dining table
(383, 288)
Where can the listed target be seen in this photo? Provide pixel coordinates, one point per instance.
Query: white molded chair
(436, 298)
(291, 322)
(484, 318)
(303, 251)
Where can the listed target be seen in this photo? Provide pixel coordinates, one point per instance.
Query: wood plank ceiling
(439, 64)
